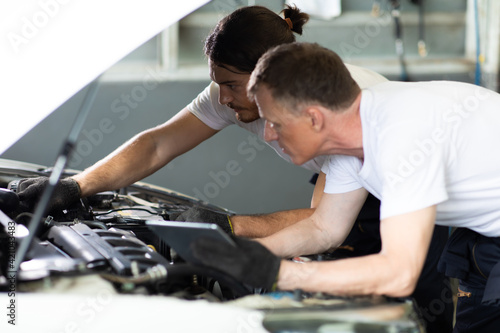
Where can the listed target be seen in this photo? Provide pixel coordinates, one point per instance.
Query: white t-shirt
(424, 144)
(206, 107)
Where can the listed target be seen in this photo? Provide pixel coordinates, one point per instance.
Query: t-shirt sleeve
(206, 107)
(340, 173)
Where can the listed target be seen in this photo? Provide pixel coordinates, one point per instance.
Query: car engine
(106, 235)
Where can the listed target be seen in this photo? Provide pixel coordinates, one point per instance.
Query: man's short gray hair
(304, 73)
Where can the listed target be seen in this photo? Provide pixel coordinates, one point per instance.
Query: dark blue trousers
(475, 260)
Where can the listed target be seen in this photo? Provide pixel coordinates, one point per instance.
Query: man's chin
(245, 117)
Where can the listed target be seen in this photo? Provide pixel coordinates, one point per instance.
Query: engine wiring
(152, 274)
(125, 209)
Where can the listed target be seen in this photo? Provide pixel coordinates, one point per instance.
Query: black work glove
(250, 262)
(29, 190)
(197, 214)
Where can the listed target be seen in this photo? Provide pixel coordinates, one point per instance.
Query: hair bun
(296, 17)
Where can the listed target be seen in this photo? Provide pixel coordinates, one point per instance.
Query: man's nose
(225, 96)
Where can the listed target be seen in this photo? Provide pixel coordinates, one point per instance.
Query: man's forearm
(393, 272)
(129, 163)
(302, 238)
(257, 226)
(369, 275)
(145, 153)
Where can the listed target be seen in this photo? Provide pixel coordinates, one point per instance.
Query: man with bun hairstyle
(233, 49)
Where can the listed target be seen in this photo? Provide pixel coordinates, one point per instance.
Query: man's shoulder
(365, 77)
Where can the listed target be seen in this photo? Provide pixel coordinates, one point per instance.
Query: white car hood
(50, 49)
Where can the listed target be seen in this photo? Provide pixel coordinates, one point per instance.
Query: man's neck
(344, 133)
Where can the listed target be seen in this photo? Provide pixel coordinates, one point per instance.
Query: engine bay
(106, 236)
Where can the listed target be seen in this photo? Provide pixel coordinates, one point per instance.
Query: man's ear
(316, 118)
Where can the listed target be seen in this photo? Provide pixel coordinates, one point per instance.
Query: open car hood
(53, 48)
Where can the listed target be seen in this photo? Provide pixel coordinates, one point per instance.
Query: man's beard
(245, 115)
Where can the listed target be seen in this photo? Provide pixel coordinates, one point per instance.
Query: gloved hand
(29, 190)
(250, 262)
(197, 214)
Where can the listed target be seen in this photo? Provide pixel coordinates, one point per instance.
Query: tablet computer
(180, 235)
